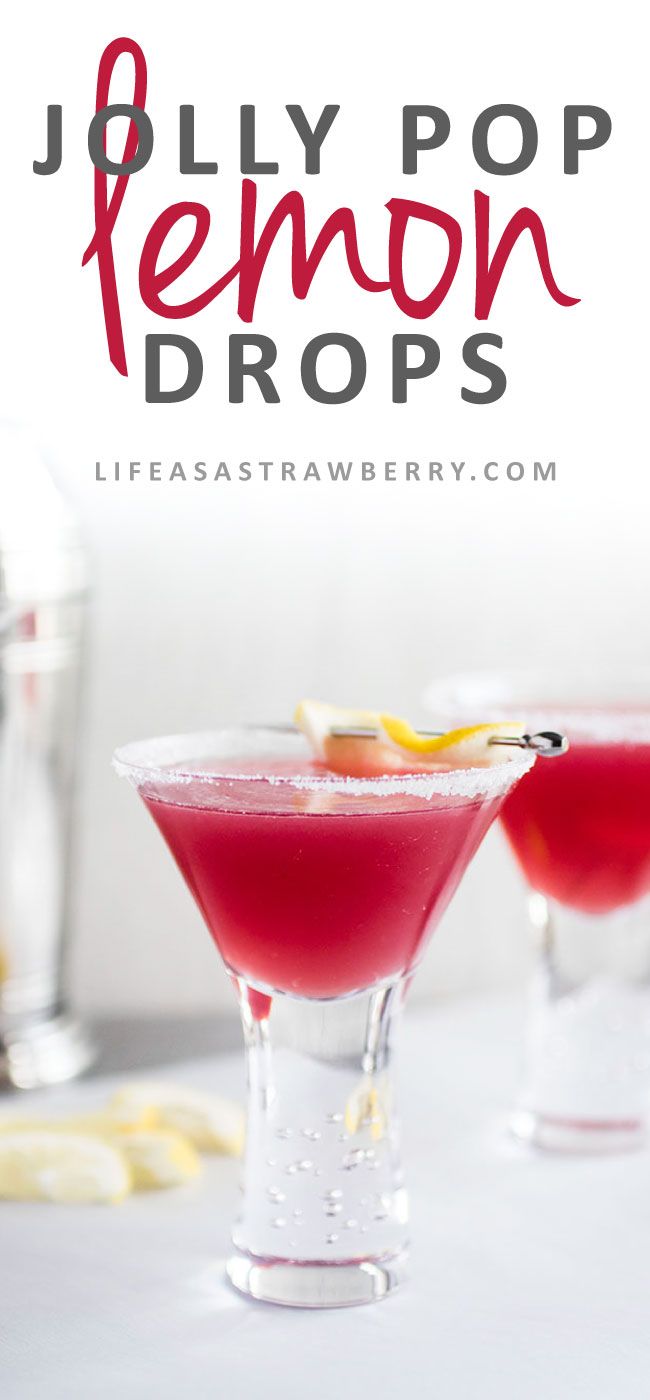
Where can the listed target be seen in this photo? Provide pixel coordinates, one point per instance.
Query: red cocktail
(312, 893)
(581, 829)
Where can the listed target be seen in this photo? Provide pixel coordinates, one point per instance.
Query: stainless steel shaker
(42, 603)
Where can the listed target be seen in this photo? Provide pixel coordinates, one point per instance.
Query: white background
(213, 602)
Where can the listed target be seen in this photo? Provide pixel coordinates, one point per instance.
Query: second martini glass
(580, 831)
(320, 893)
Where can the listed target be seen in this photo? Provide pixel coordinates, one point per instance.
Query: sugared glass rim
(616, 710)
(171, 759)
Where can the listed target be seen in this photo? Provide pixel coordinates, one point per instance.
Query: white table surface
(530, 1276)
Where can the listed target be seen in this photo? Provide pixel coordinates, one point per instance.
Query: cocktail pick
(546, 744)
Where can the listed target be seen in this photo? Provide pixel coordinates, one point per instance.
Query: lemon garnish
(472, 742)
(108, 1122)
(317, 719)
(158, 1158)
(394, 745)
(367, 1108)
(155, 1156)
(65, 1167)
(209, 1122)
(146, 1138)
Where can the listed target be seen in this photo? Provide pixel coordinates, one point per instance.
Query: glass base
(576, 1135)
(345, 1284)
(40, 1053)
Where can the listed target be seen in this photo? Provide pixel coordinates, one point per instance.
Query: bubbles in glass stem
(353, 1159)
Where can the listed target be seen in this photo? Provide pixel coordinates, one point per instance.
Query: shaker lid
(41, 554)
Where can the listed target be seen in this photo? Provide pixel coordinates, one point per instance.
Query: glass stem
(322, 1171)
(587, 1079)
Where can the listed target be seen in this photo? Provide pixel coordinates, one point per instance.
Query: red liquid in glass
(580, 826)
(320, 903)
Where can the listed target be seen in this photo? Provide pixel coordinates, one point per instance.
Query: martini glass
(320, 893)
(580, 832)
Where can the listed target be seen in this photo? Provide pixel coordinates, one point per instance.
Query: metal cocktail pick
(546, 744)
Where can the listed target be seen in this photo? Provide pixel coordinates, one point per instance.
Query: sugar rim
(605, 726)
(622, 717)
(164, 760)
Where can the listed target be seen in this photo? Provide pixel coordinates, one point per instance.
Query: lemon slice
(367, 1107)
(317, 719)
(159, 1158)
(353, 757)
(156, 1157)
(463, 748)
(66, 1167)
(397, 747)
(209, 1122)
(109, 1122)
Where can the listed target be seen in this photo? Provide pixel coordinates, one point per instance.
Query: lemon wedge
(158, 1158)
(63, 1167)
(210, 1123)
(397, 747)
(317, 719)
(351, 756)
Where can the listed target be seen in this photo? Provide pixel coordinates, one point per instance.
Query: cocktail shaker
(42, 603)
